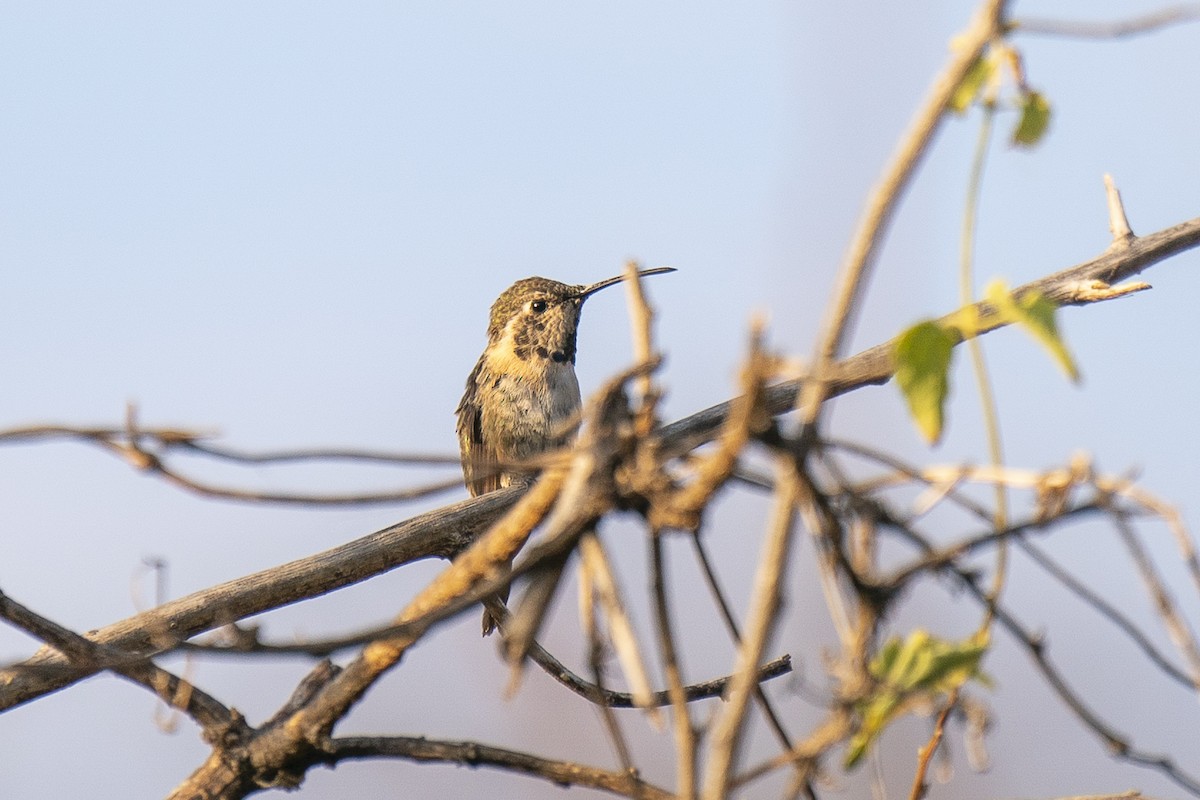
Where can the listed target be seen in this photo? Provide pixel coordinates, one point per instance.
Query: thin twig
(685, 733)
(195, 441)
(735, 633)
(946, 555)
(983, 382)
(925, 754)
(1166, 607)
(595, 648)
(806, 755)
(1106, 610)
(934, 560)
(1179, 531)
(1146, 23)
(218, 492)
(473, 754)
(909, 472)
(146, 450)
(603, 696)
(762, 619)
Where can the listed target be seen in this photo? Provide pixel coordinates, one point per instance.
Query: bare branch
(1104, 489)
(214, 491)
(938, 559)
(495, 547)
(172, 690)
(641, 320)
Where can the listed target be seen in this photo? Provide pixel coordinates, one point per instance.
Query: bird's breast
(526, 404)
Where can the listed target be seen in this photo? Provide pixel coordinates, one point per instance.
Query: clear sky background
(286, 221)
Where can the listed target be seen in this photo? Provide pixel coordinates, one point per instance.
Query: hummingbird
(522, 394)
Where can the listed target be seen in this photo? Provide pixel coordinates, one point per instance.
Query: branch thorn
(1118, 223)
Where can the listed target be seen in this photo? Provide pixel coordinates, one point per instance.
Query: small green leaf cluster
(914, 671)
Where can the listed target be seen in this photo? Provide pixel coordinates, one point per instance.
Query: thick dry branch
(437, 533)
(1088, 282)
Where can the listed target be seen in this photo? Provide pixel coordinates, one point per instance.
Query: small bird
(523, 391)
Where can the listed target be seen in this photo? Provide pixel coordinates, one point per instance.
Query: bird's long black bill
(595, 287)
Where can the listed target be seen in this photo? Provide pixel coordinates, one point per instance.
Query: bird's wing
(480, 467)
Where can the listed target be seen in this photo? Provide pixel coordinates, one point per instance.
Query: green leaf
(926, 663)
(923, 355)
(971, 84)
(1035, 118)
(1034, 312)
(916, 669)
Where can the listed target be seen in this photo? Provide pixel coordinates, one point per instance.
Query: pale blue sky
(286, 221)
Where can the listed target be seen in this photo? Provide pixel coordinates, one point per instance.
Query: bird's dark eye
(537, 306)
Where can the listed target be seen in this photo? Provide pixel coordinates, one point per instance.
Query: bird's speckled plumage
(523, 394)
(523, 387)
